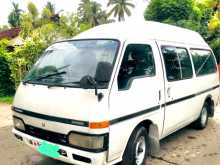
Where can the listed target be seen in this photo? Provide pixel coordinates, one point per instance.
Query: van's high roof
(144, 30)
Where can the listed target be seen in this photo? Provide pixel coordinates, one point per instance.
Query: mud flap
(212, 109)
(154, 141)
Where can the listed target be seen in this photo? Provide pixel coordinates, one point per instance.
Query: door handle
(168, 92)
(159, 95)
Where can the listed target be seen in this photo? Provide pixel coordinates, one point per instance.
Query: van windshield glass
(66, 63)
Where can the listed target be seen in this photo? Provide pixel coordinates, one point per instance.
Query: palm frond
(111, 11)
(127, 11)
(130, 4)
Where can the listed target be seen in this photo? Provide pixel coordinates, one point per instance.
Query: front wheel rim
(140, 151)
(204, 116)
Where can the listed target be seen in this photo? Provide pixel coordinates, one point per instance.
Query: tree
(32, 10)
(120, 8)
(162, 10)
(14, 16)
(84, 10)
(33, 13)
(95, 14)
(27, 26)
(46, 15)
(6, 84)
(92, 13)
(50, 7)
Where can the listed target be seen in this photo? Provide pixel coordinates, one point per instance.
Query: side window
(185, 63)
(137, 62)
(177, 63)
(204, 62)
(171, 63)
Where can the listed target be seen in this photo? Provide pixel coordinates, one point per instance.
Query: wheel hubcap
(204, 116)
(140, 151)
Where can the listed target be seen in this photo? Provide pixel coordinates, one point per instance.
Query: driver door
(136, 94)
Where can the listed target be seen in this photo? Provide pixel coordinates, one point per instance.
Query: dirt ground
(185, 147)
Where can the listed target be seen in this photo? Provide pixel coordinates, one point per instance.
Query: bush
(22, 59)
(7, 86)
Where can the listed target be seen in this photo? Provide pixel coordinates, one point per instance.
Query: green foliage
(90, 12)
(6, 99)
(14, 16)
(32, 10)
(22, 59)
(26, 25)
(175, 10)
(215, 44)
(6, 84)
(120, 8)
(50, 7)
(46, 15)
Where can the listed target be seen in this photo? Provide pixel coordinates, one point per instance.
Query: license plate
(49, 150)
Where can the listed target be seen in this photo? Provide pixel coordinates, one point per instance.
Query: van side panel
(208, 84)
(185, 97)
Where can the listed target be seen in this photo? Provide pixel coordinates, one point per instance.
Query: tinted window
(177, 63)
(137, 62)
(204, 62)
(185, 63)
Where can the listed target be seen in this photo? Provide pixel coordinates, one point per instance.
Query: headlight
(90, 142)
(19, 124)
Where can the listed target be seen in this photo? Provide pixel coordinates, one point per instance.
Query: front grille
(46, 135)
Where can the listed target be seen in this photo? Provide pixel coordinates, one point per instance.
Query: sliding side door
(180, 88)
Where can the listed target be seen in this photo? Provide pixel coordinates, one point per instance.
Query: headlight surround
(18, 123)
(88, 142)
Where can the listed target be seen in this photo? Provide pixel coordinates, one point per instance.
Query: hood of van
(71, 104)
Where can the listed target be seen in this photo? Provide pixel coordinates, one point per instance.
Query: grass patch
(6, 99)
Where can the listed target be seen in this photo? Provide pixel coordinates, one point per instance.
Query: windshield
(66, 63)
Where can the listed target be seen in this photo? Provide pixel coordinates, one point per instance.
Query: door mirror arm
(88, 81)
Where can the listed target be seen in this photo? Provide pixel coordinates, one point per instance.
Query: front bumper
(73, 156)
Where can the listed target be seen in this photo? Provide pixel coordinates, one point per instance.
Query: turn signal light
(99, 125)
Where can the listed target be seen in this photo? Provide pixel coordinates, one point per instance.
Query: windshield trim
(89, 39)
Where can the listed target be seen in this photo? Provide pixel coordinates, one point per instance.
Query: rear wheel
(202, 121)
(137, 149)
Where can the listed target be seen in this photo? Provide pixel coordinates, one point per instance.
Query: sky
(66, 5)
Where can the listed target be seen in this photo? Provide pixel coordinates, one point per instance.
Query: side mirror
(103, 74)
(88, 82)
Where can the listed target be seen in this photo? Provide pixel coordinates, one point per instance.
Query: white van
(113, 92)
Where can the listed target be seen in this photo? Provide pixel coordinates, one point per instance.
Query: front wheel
(202, 121)
(137, 149)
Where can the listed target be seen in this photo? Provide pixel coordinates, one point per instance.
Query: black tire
(129, 157)
(202, 121)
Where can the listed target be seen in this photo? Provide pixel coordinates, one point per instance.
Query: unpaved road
(186, 147)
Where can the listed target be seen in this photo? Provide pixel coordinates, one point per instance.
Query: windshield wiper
(44, 77)
(62, 84)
